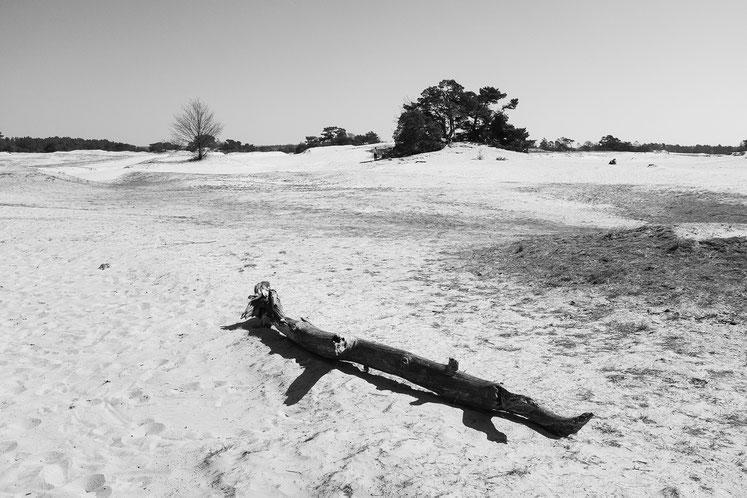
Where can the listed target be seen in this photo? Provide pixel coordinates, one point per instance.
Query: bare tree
(196, 127)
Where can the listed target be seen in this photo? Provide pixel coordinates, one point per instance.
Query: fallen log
(443, 379)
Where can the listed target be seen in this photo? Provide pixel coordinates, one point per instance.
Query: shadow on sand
(316, 367)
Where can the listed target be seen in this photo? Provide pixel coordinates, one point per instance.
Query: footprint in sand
(148, 429)
(53, 475)
(56, 457)
(54, 471)
(28, 424)
(94, 482)
(192, 386)
(103, 492)
(145, 437)
(139, 395)
(7, 446)
(167, 365)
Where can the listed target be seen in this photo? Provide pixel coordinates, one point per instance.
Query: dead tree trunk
(443, 379)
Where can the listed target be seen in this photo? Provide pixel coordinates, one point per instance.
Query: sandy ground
(119, 270)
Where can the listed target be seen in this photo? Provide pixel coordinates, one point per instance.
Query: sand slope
(119, 270)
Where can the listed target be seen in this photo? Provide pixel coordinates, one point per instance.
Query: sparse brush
(517, 472)
(674, 343)
(736, 419)
(628, 328)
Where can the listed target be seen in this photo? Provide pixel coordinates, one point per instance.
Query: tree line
(67, 144)
(611, 143)
(441, 115)
(197, 127)
(61, 144)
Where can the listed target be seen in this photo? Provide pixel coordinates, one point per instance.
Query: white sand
(120, 381)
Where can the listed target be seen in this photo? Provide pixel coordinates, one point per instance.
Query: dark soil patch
(649, 264)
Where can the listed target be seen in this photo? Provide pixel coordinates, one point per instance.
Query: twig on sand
(188, 242)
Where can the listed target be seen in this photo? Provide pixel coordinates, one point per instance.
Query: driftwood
(443, 379)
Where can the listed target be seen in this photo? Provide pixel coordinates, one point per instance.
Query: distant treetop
(335, 135)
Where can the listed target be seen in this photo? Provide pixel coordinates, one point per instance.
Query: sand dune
(120, 268)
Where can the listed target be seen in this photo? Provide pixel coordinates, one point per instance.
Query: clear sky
(275, 71)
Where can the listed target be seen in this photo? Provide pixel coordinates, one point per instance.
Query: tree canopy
(446, 113)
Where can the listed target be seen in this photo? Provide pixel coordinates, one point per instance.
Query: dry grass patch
(650, 264)
(664, 206)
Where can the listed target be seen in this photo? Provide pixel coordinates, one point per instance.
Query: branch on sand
(443, 379)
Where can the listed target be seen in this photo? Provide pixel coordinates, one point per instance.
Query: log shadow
(316, 367)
